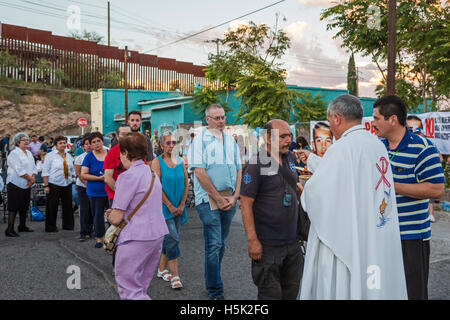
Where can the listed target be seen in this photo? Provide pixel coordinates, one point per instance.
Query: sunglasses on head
(171, 143)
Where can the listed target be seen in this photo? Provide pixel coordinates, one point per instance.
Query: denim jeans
(171, 240)
(98, 207)
(216, 227)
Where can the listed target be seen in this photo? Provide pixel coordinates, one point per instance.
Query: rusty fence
(40, 56)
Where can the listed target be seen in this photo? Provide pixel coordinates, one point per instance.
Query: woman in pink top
(140, 242)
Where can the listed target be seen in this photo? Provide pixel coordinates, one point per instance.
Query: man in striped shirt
(418, 177)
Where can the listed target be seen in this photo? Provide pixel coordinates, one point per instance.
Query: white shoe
(432, 219)
(165, 275)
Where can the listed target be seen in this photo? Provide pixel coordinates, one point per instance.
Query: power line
(219, 25)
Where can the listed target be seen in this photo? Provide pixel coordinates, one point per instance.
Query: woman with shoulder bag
(22, 173)
(140, 241)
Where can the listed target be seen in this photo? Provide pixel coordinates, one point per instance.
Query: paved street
(34, 265)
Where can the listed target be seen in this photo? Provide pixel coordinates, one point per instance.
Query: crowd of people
(367, 201)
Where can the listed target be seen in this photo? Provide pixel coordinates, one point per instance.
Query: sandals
(165, 275)
(175, 283)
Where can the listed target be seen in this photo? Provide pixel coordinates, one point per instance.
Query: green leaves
(423, 38)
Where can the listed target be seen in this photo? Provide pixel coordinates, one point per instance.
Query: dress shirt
(54, 169)
(19, 164)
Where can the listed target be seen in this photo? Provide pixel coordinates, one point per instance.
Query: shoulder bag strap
(145, 198)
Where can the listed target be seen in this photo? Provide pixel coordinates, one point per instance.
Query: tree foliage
(249, 63)
(352, 85)
(86, 35)
(422, 41)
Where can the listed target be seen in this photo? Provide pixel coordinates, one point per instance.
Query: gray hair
(18, 137)
(347, 106)
(210, 107)
(164, 134)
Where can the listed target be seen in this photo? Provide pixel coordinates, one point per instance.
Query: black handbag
(303, 222)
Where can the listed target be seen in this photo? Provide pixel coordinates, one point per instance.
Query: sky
(314, 59)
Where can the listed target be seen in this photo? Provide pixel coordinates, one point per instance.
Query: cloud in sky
(296, 30)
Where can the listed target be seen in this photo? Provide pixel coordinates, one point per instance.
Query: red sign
(82, 122)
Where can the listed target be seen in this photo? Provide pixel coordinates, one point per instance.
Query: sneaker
(99, 245)
(216, 297)
(432, 218)
(82, 238)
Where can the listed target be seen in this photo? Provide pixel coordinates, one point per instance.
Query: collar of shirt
(403, 144)
(352, 129)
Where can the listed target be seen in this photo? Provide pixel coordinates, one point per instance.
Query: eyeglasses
(25, 140)
(174, 143)
(217, 118)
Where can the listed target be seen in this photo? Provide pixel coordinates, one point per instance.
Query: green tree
(112, 80)
(249, 62)
(86, 35)
(205, 96)
(352, 84)
(47, 73)
(422, 40)
(7, 61)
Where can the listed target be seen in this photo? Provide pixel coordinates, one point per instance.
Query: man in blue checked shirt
(418, 177)
(215, 159)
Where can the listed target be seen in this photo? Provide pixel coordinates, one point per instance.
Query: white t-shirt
(79, 161)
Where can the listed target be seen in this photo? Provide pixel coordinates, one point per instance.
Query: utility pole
(216, 41)
(392, 41)
(126, 82)
(109, 26)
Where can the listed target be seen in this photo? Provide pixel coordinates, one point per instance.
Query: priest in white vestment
(353, 249)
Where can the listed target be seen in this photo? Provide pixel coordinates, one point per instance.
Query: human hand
(107, 213)
(47, 189)
(231, 202)
(304, 155)
(255, 249)
(223, 203)
(180, 209)
(300, 187)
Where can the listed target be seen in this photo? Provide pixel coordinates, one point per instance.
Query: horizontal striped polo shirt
(415, 160)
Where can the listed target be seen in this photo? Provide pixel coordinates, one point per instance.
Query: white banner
(435, 126)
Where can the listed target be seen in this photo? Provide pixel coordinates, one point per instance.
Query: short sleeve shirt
(415, 160)
(275, 223)
(220, 160)
(94, 188)
(112, 161)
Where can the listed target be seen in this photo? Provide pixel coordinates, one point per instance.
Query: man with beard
(135, 121)
(269, 208)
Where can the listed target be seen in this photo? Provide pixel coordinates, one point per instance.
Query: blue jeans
(98, 207)
(216, 227)
(170, 245)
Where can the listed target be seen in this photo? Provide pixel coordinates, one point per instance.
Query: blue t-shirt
(94, 188)
(5, 141)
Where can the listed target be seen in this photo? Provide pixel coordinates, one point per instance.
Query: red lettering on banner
(367, 124)
(373, 128)
(429, 124)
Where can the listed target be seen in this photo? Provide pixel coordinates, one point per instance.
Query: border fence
(41, 56)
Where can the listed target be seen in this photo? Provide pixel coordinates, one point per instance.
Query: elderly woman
(58, 173)
(21, 176)
(139, 244)
(92, 172)
(172, 172)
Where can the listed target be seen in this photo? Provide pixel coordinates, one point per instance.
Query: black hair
(389, 106)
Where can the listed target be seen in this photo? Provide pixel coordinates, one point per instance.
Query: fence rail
(84, 64)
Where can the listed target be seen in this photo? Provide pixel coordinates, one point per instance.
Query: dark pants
(277, 275)
(86, 215)
(98, 206)
(65, 195)
(416, 260)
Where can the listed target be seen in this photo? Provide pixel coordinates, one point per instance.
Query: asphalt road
(35, 266)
